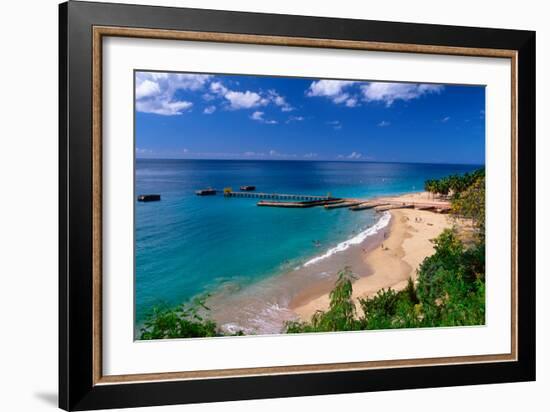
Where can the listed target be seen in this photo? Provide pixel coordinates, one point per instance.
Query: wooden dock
(383, 208)
(381, 205)
(306, 200)
(301, 204)
(344, 203)
(278, 196)
(367, 205)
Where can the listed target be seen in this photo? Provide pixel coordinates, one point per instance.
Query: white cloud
(163, 107)
(354, 155)
(209, 110)
(310, 155)
(335, 90)
(218, 88)
(328, 88)
(351, 102)
(239, 100)
(259, 117)
(246, 100)
(147, 88)
(253, 154)
(155, 92)
(446, 119)
(279, 101)
(275, 153)
(388, 93)
(384, 123)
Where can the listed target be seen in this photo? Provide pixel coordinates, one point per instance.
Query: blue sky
(198, 116)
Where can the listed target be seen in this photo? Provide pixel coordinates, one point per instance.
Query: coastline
(391, 262)
(383, 255)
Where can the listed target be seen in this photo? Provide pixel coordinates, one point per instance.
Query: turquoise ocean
(187, 245)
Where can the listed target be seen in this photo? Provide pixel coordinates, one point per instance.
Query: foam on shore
(357, 239)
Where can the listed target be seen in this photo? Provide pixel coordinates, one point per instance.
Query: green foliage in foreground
(450, 291)
(184, 321)
(341, 315)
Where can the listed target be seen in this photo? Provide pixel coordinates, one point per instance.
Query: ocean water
(187, 245)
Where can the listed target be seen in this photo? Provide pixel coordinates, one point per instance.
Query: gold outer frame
(103, 31)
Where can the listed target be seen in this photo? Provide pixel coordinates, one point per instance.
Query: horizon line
(310, 160)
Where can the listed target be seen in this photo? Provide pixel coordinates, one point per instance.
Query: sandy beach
(394, 261)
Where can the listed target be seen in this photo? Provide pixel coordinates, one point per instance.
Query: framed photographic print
(257, 205)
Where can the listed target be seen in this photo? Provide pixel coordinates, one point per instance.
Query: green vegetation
(454, 184)
(450, 287)
(341, 315)
(184, 321)
(471, 205)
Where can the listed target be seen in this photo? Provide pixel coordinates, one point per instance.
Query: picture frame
(82, 28)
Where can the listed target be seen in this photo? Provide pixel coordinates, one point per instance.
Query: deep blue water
(187, 244)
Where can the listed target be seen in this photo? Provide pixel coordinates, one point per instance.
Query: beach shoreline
(391, 262)
(383, 255)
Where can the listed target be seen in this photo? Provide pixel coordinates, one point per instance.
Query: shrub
(341, 315)
(184, 321)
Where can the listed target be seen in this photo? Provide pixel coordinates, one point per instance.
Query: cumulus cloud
(388, 93)
(259, 117)
(238, 100)
(354, 155)
(244, 100)
(156, 92)
(310, 155)
(352, 102)
(147, 88)
(279, 101)
(161, 93)
(163, 107)
(335, 90)
(384, 123)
